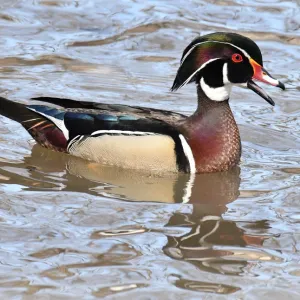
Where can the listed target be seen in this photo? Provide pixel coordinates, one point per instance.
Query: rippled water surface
(72, 230)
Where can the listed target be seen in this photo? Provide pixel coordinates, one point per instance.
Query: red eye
(237, 58)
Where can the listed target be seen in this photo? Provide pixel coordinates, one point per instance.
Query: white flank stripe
(123, 132)
(200, 68)
(188, 153)
(59, 123)
(70, 144)
(218, 42)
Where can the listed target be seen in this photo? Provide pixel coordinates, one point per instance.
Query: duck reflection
(69, 173)
(213, 244)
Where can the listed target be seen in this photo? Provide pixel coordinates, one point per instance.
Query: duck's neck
(213, 135)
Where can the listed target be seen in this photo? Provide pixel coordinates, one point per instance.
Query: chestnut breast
(214, 138)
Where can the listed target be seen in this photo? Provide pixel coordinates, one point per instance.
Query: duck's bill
(262, 75)
(259, 91)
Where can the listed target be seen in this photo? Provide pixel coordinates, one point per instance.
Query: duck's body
(151, 139)
(133, 137)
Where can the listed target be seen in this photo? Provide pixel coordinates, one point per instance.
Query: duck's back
(89, 107)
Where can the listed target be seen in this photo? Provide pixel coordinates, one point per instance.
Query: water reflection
(206, 287)
(214, 244)
(217, 245)
(203, 236)
(45, 169)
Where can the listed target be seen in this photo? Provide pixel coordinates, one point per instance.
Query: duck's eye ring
(237, 58)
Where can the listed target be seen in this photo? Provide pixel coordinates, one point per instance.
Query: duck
(141, 138)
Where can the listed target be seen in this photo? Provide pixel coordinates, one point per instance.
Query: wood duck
(152, 139)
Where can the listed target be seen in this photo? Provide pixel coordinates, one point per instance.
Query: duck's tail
(15, 111)
(41, 128)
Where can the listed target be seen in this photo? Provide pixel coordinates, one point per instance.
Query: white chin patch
(220, 93)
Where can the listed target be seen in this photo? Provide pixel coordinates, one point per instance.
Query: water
(72, 230)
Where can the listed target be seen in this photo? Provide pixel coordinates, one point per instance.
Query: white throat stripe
(217, 94)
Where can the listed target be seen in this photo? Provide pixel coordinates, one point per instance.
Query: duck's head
(220, 60)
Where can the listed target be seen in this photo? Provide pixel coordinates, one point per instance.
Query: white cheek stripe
(188, 153)
(201, 67)
(217, 94)
(59, 123)
(218, 42)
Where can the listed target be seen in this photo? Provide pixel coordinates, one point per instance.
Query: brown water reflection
(70, 229)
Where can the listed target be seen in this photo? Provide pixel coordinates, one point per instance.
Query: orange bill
(260, 74)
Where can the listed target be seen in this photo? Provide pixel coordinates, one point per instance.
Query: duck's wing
(116, 139)
(116, 109)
